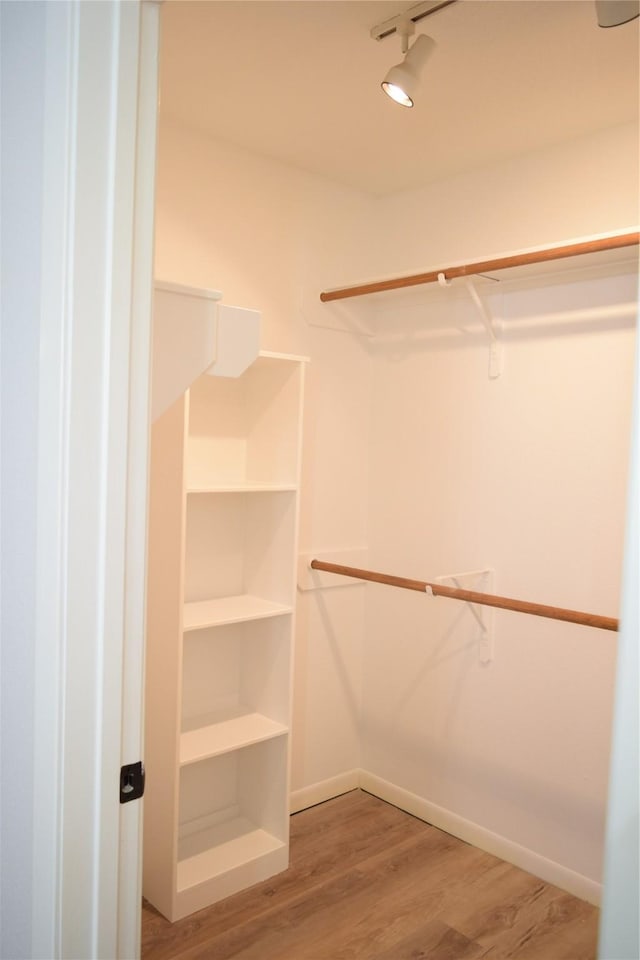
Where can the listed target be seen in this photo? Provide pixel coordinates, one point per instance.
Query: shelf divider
(200, 614)
(243, 486)
(214, 739)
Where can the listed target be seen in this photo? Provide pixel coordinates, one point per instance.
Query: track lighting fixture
(401, 82)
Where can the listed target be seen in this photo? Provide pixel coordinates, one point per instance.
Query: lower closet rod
(471, 596)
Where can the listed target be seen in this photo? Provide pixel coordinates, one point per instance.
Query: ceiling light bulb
(401, 82)
(397, 93)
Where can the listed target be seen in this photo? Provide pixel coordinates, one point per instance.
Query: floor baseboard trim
(324, 790)
(522, 857)
(548, 870)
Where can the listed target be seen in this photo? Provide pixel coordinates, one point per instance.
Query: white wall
(526, 474)
(268, 236)
(262, 232)
(582, 187)
(415, 453)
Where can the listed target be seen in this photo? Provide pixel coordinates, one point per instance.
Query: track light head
(401, 82)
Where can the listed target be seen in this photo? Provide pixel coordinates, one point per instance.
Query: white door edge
(97, 248)
(130, 867)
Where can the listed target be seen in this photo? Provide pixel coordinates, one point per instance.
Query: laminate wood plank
(560, 927)
(369, 882)
(347, 914)
(397, 894)
(518, 915)
(433, 941)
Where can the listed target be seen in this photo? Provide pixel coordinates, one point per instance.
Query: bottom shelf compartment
(234, 823)
(220, 849)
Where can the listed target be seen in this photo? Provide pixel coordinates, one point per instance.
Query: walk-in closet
(393, 385)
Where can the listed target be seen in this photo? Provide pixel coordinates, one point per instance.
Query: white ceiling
(299, 81)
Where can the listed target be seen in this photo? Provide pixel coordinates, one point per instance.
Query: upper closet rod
(484, 266)
(471, 596)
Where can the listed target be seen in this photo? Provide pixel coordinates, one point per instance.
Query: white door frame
(98, 168)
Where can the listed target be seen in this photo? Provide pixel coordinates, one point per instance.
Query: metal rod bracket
(482, 581)
(491, 326)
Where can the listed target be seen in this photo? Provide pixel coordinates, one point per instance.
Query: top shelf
(181, 290)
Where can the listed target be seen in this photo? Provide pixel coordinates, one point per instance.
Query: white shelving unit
(221, 586)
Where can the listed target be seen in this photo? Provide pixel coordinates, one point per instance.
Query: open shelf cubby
(238, 544)
(233, 822)
(235, 687)
(244, 431)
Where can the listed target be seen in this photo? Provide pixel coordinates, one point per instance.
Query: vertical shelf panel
(163, 655)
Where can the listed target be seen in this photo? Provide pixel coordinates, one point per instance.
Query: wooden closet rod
(484, 266)
(471, 596)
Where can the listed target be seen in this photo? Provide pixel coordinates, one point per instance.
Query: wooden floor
(369, 882)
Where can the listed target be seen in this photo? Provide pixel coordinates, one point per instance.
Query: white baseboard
(324, 790)
(548, 870)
